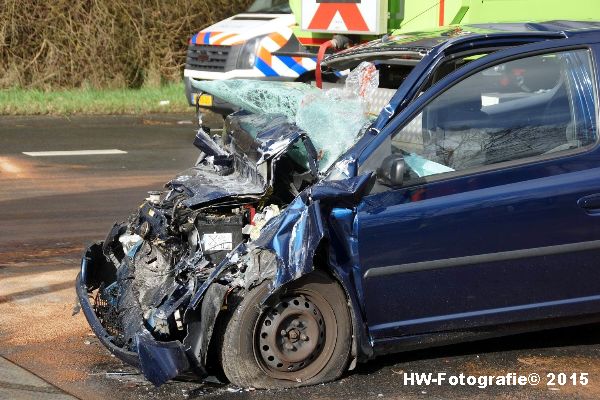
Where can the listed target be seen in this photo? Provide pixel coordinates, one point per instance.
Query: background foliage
(49, 44)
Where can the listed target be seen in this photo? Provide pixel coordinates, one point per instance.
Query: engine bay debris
(250, 210)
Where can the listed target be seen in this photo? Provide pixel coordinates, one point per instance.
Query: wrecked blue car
(302, 243)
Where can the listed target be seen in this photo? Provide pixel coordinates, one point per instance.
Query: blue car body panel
(482, 249)
(464, 255)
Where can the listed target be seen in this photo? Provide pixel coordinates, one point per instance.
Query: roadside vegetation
(165, 98)
(102, 56)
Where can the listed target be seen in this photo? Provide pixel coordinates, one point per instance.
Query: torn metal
(153, 289)
(254, 208)
(339, 112)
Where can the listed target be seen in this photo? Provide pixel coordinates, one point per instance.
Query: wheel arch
(212, 303)
(362, 349)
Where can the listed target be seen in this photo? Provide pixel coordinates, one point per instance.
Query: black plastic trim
(129, 357)
(482, 258)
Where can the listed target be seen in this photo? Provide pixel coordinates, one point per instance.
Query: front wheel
(301, 337)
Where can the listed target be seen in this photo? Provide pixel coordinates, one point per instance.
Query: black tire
(308, 361)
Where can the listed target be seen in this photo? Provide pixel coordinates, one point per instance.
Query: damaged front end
(250, 210)
(141, 289)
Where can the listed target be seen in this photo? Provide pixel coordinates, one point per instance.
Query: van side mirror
(392, 169)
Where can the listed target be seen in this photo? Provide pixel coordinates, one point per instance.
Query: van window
(270, 6)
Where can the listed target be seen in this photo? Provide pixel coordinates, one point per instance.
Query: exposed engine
(160, 258)
(177, 237)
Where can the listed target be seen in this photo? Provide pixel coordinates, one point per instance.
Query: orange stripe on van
(265, 55)
(200, 37)
(277, 38)
(224, 38)
(211, 35)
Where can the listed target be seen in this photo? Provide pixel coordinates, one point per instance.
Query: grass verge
(167, 98)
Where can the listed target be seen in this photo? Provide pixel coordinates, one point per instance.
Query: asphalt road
(52, 206)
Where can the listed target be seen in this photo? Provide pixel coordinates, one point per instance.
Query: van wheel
(301, 337)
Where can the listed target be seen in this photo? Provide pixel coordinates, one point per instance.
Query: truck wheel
(301, 337)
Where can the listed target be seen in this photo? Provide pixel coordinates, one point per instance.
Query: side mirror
(392, 169)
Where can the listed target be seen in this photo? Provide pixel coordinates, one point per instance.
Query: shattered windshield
(270, 6)
(332, 119)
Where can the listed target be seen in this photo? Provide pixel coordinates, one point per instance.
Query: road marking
(73, 153)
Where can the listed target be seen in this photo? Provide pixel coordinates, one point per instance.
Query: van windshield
(270, 6)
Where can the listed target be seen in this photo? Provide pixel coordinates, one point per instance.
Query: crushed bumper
(158, 361)
(126, 356)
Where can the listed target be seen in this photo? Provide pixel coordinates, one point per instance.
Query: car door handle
(590, 203)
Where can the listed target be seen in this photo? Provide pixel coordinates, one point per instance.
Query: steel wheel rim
(295, 337)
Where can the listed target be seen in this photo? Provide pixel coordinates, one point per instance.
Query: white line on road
(73, 153)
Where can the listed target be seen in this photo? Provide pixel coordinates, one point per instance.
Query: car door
(498, 219)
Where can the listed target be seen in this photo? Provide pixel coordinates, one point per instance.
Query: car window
(524, 108)
(450, 65)
(393, 72)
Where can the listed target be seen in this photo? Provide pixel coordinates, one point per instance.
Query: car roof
(413, 46)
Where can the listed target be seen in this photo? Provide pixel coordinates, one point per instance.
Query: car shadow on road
(554, 338)
(37, 291)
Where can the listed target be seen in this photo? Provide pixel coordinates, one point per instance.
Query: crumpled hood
(277, 116)
(235, 170)
(260, 137)
(241, 27)
(205, 186)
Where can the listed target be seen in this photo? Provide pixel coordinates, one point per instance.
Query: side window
(523, 108)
